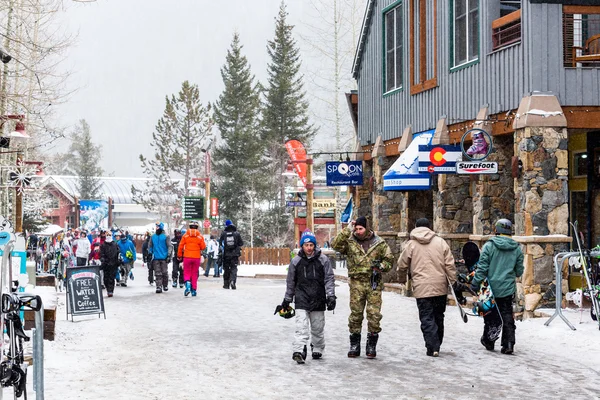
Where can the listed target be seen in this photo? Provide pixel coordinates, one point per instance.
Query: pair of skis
(593, 292)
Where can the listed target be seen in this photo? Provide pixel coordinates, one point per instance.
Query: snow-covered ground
(227, 344)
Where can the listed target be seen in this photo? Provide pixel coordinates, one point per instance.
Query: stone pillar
(541, 192)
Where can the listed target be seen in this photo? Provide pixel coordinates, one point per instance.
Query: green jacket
(360, 264)
(501, 261)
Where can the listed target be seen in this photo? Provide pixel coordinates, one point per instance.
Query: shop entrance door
(593, 223)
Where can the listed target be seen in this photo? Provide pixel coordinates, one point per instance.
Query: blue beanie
(308, 237)
(228, 223)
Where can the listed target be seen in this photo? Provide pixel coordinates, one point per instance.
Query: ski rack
(558, 271)
(37, 332)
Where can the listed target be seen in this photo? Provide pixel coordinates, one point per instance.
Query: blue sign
(347, 212)
(295, 204)
(93, 214)
(346, 173)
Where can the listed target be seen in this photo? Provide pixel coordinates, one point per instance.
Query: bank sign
(346, 173)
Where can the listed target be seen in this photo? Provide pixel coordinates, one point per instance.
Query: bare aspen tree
(330, 37)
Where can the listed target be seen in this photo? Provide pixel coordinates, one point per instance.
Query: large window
(392, 28)
(423, 46)
(465, 32)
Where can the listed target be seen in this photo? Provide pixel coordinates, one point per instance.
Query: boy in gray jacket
(311, 285)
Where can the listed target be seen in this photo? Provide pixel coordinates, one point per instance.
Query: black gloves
(285, 304)
(331, 303)
(168, 260)
(458, 289)
(474, 288)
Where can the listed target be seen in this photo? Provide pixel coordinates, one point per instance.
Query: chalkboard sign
(84, 291)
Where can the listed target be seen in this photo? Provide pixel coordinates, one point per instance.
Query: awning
(404, 173)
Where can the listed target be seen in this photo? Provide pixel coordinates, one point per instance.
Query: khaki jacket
(430, 263)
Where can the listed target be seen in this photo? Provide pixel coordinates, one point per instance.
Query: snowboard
(485, 302)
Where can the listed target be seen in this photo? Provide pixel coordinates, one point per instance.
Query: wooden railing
(506, 30)
(263, 255)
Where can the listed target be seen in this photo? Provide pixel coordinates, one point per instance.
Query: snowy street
(227, 344)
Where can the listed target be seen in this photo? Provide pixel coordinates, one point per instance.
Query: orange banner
(297, 152)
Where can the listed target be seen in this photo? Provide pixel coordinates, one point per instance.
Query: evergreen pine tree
(285, 115)
(85, 162)
(180, 136)
(239, 158)
(285, 112)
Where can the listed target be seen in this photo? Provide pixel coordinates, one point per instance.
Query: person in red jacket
(190, 250)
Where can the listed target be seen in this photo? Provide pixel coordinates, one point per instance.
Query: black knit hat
(361, 221)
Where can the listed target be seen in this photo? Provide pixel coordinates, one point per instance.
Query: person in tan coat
(430, 265)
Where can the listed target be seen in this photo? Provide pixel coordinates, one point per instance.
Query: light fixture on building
(584, 155)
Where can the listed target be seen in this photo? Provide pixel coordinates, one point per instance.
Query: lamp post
(309, 189)
(207, 186)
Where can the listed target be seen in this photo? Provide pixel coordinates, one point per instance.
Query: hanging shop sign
(404, 173)
(475, 156)
(344, 173)
(440, 159)
(476, 167)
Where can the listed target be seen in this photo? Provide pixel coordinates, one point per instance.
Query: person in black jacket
(177, 266)
(147, 258)
(231, 242)
(109, 258)
(311, 285)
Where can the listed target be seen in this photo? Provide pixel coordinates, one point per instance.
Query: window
(392, 28)
(465, 32)
(580, 164)
(54, 203)
(423, 46)
(509, 6)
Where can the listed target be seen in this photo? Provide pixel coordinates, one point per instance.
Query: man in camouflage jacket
(367, 256)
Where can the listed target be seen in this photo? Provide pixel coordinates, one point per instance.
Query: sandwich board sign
(84, 291)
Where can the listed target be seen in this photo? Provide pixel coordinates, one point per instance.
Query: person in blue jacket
(161, 250)
(128, 254)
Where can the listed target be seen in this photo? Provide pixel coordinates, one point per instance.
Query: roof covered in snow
(119, 189)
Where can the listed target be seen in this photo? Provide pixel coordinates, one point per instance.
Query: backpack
(230, 241)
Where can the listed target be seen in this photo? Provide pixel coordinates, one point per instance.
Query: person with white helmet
(501, 262)
(190, 253)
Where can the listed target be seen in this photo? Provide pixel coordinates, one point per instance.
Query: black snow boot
(354, 345)
(488, 345)
(508, 349)
(233, 286)
(225, 284)
(298, 358)
(315, 354)
(372, 345)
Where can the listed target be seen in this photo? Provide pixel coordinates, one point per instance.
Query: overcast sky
(129, 54)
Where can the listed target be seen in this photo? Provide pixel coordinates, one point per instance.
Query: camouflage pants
(362, 294)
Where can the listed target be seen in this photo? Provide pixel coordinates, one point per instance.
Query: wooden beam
(422, 41)
(581, 9)
(507, 19)
(582, 117)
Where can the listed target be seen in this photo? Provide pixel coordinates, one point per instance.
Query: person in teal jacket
(501, 262)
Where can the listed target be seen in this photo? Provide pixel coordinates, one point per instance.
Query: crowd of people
(430, 265)
(114, 251)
